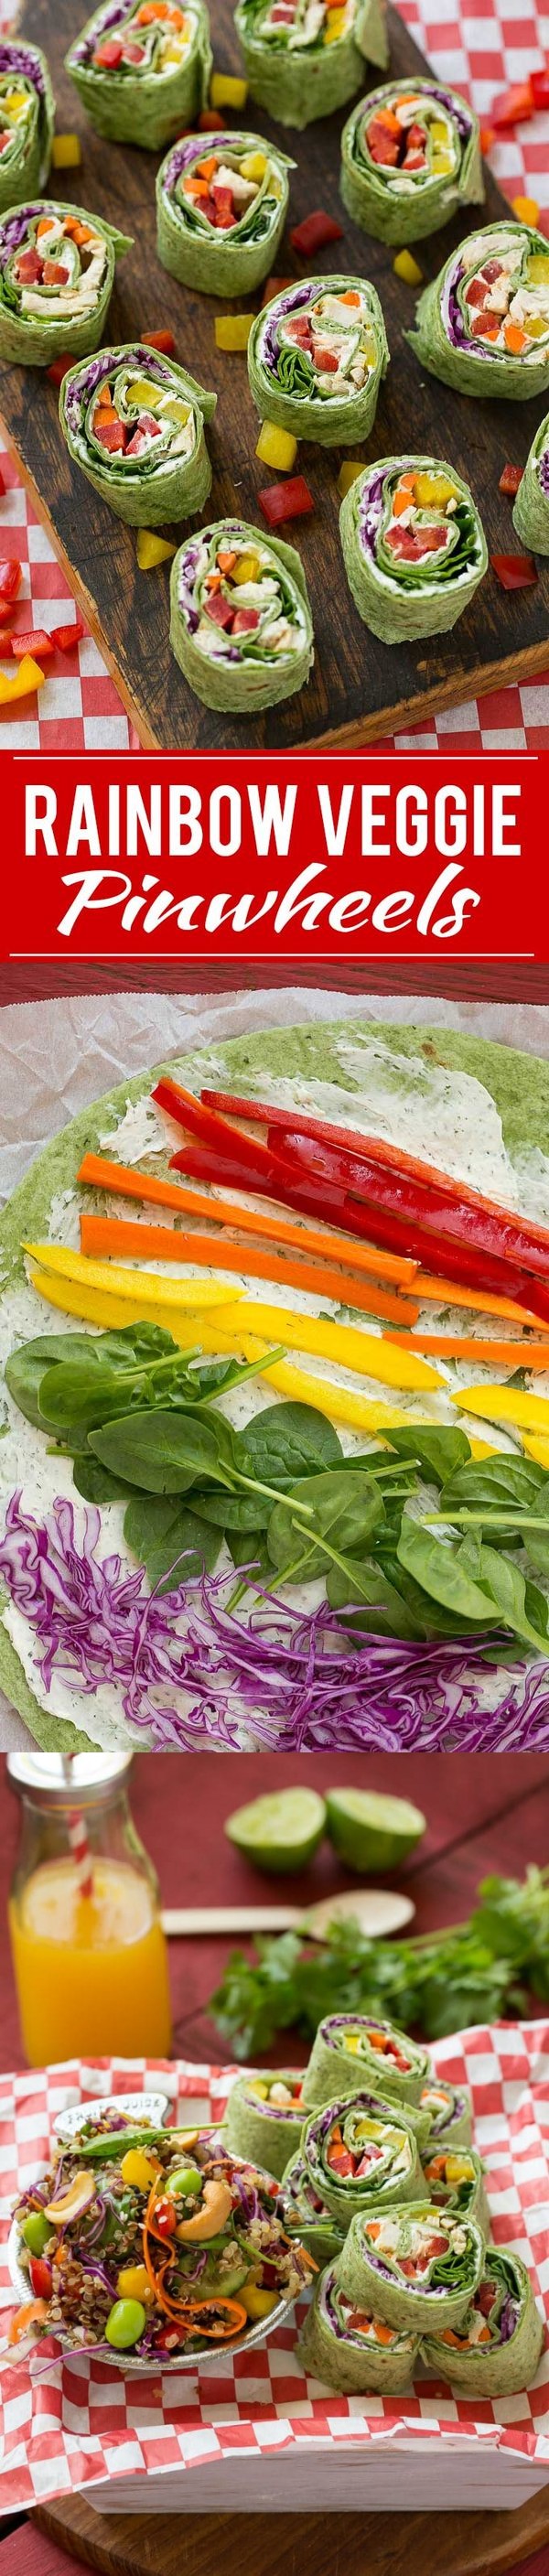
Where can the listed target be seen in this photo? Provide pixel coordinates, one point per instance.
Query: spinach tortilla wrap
(244, 640)
(450, 2115)
(454, 2177)
(410, 154)
(306, 2216)
(221, 202)
(264, 2118)
(350, 2049)
(495, 2348)
(344, 2344)
(27, 115)
(531, 508)
(316, 359)
(306, 57)
(56, 280)
(413, 545)
(359, 2152)
(479, 1109)
(134, 423)
(412, 2265)
(142, 69)
(483, 324)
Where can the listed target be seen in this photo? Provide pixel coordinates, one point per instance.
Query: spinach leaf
(172, 1543)
(506, 1586)
(492, 1484)
(288, 1441)
(230, 1512)
(440, 1453)
(26, 1367)
(345, 1511)
(95, 1483)
(442, 1570)
(382, 1609)
(164, 1452)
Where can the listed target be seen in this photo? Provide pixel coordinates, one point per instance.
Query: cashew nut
(210, 2219)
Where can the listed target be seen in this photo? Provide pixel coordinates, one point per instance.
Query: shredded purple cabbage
(22, 59)
(92, 373)
(189, 149)
(14, 229)
(508, 2320)
(114, 16)
(291, 1679)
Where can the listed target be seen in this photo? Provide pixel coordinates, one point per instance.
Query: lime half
(279, 1832)
(371, 1832)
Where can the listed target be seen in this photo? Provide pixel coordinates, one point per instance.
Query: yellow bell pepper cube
(348, 473)
(441, 164)
(406, 267)
(134, 2283)
(538, 269)
(226, 91)
(66, 152)
(526, 210)
(16, 104)
(537, 1448)
(140, 392)
(335, 26)
(185, 1326)
(253, 166)
(246, 568)
(276, 447)
(365, 1354)
(433, 491)
(153, 1290)
(258, 2303)
(138, 2170)
(506, 1404)
(232, 330)
(439, 132)
(28, 677)
(152, 549)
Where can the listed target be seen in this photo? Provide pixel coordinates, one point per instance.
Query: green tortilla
(27, 117)
(148, 102)
(306, 2217)
(462, 2190)
(171, 477)
(347, 2354)
(368, 2126)
(397, 206)
(372, 2272)
(303, 71)
(240, 669)
(450, 1081)
(288, 383)
(62, 319)
(531, 508)
(401, 599)
(266, 2132)
(190, 245)
(452, 346)
(344, 2057)
(507, 2363)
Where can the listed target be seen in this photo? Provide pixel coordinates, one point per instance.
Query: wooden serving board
(395, 2544)
(359, 689)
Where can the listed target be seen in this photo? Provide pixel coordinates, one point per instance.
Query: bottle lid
(78, 1780)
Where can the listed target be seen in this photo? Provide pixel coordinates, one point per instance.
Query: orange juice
(91, 1971)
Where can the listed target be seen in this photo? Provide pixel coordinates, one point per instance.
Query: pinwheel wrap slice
(454, 2179)
(447, 337)
(450, 2114)
(25, 162)
(506, 2362)
(355, 2131)
(261, 647)
(396, 206)
(393, 2065)
(146, 106)
(333, 2348)
(36, 321)
(402, 598)
(298, 83)
(219, 262)
(266, 2131)
(148, 487)
(385, 2264)
(531, 508)
(287, 385)
(306, 2216)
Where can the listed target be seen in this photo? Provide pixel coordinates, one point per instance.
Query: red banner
(195, 857)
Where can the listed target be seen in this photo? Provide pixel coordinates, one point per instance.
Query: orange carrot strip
(461, 1346)
(349, 1250)
(103, 1236)
(383, 2334)
(445, 1292)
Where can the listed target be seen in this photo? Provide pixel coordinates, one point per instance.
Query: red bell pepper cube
(515, 572)
(246, 621)
(539, 82)
(219, 609)
(28, 267)
(163, 340)
(108, 55)
(36, 641)
(59, 368)
(11, 575)
(514, 105)
(210, 121)
(113, 437)
(65, 637)
(54, 274)
(280, 501)
(314, 232)
(511, 479)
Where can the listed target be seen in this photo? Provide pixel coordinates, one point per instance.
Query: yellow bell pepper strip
(338, 1403)
(27, 678)
(505, 1404)
(93, 1307)
(62, 1263)
(66, 152)
(232, 330)
(102, 1237)
(276, 447)
(365, 1354)
(408, 268)
(227, 91)
(348, 474)
(537, 1448)
(462, 1346)
(126, 1182)
(152, 550)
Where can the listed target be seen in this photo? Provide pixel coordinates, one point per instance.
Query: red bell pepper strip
(314, 232)
(539, 83)
(514, 105)
(487, 138)
(11, 575)
(497, 1232)
(35, 641)
(225, 1141)
(515, 572)
(280, 501)
(65, 637)
(511, 479)
(59, 368)
(163, 340)
(294, 1124)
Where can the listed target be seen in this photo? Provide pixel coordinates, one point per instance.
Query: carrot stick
(461, 1346)
(123, 1181)
(444, 1292)
(102, 1237)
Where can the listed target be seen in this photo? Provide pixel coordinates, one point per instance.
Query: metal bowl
(153, 2106)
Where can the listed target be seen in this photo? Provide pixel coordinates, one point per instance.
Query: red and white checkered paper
(85, 2420)
(480, 46)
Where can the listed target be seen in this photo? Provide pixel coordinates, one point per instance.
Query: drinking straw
(78, 1838)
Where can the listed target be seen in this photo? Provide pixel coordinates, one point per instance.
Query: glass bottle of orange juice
(88, 1949)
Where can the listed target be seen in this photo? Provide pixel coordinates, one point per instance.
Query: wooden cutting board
(359, 689)
(395, 2544)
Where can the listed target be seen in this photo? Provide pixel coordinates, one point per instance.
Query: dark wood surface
(466, 979)
(482, 1816)
(359, 690)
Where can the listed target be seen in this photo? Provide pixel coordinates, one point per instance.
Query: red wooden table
(462, 978)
